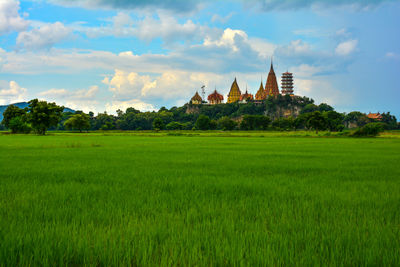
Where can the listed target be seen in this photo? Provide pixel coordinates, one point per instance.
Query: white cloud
(44, 36)
(165, 26)
(11, 92)
(321, 91)
(83, 99)
(222, 19)
(392, 55)
(10, 20)
(126, 85)
(346, 48)
(123, 105)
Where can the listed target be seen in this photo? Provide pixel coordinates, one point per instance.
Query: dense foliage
(282, 113)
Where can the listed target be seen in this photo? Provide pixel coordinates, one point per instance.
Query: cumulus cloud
(123, 105)
(11, 92)
(10, 20)
(83, 99)
(346, 48)
(172, 84)
(164, 26)
(44, 36)
(125, 85)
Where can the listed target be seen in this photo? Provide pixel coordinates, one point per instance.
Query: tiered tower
(287, 83)
(234, 93)
(271, 88)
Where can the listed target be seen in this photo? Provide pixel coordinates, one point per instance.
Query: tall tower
(287, 83)
(271, 87)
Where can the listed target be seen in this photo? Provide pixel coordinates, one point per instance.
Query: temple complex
(196, 99)
(215, 98)
(234, 93)
(271, 87)
(287, 83)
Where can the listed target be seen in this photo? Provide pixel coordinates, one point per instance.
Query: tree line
(41, 116)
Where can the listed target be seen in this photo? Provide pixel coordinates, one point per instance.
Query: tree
(158, 124)
(334, 120)
(316, 121)
(357, 118)
(255, 122)
(19, 125)
(78, 121)
(324, 107)
(226, 124)
(174, 125)
(43, 115)
(309, 108)
(283, 123)
(15, 118)
(389, 120)
(203, 122)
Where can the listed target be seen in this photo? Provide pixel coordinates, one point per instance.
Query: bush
(369, 130)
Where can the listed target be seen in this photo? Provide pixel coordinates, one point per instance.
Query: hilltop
(23, 105)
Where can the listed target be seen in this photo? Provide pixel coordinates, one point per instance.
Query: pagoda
(215, 98)
(261, 95)
(287, 83)
(234, 93)
(196, 99)
(271, 88)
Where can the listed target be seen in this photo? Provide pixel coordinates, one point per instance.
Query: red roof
(215, 96)
(246, 96)
(375, 116)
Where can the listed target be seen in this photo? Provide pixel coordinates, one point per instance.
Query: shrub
(369, 130)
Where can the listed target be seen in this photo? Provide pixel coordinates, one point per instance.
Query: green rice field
(206, 199)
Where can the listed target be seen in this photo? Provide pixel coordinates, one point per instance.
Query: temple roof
(235, 90)
(246, 95)
(197, 97)
(376, 116)
(260, 95)
(215, 96)
(271, 87)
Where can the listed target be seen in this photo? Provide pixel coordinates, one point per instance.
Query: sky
(104, 55)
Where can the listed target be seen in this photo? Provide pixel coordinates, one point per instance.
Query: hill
(24, 105)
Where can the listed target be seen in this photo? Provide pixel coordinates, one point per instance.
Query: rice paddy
(212, 199)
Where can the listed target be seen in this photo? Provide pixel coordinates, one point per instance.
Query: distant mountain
(24, 105)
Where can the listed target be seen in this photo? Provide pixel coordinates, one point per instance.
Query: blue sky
(102, 55)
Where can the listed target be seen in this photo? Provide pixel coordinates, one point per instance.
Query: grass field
(207, 199)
